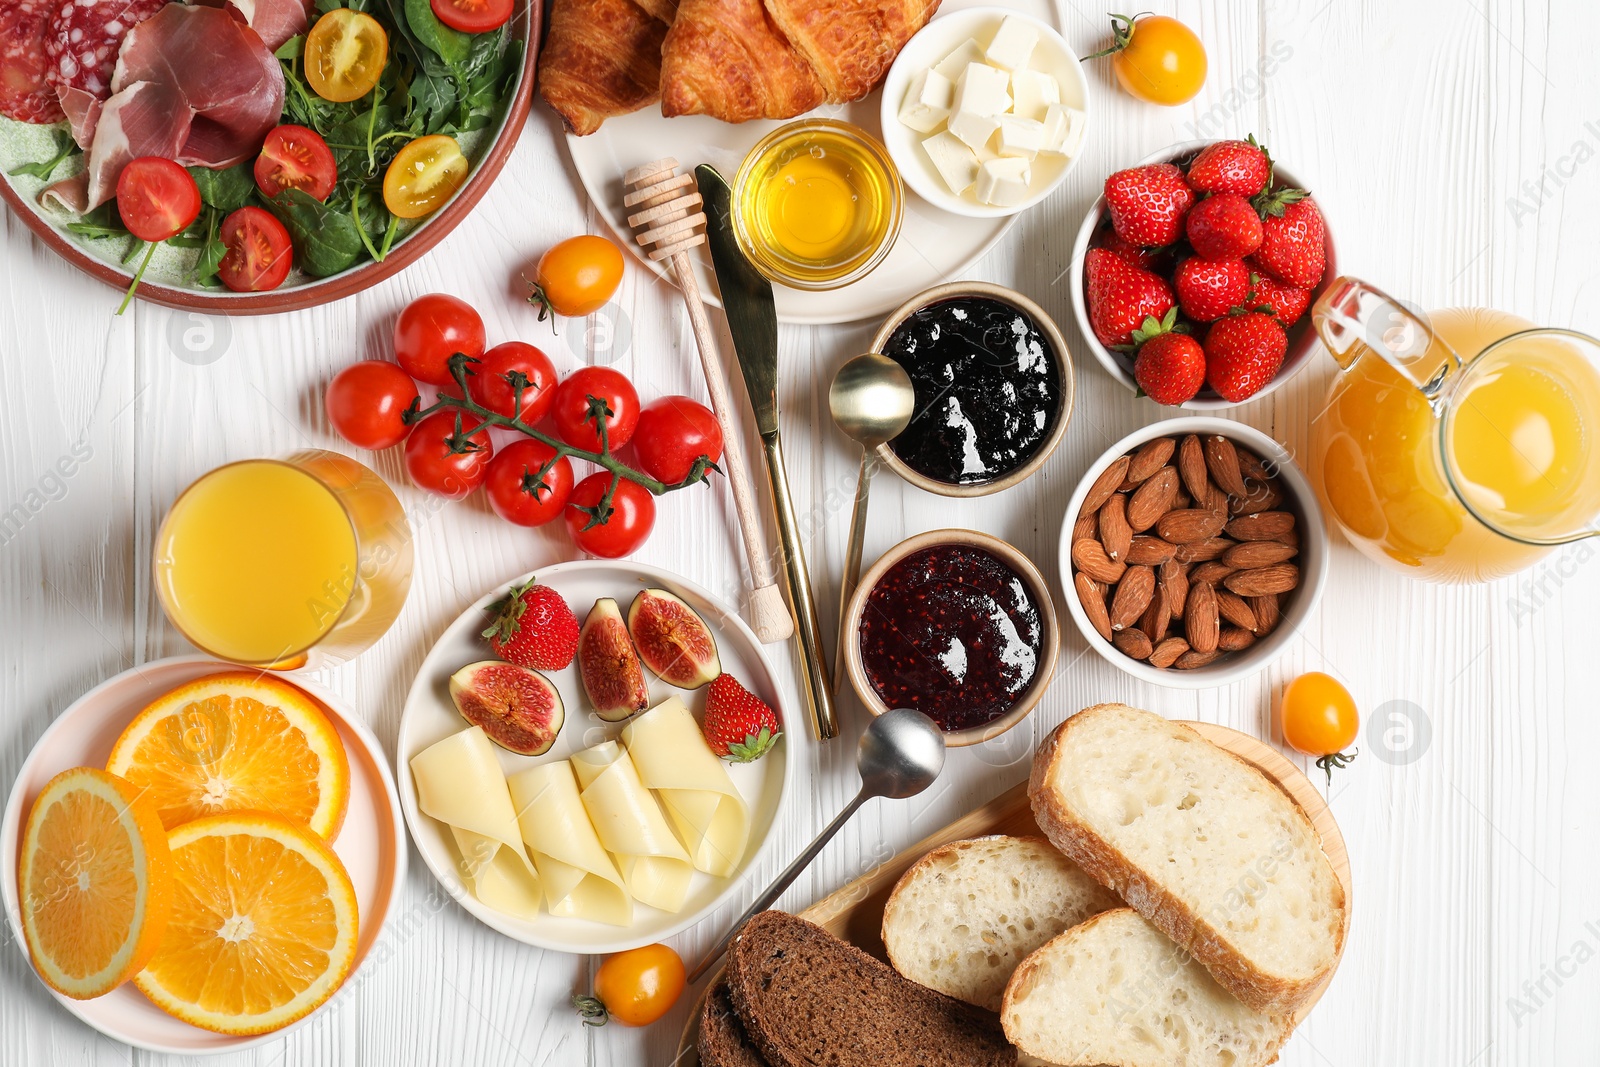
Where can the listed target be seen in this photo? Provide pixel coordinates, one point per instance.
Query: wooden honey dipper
(666, 218)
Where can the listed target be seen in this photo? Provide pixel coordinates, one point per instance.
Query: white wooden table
(1453, 146)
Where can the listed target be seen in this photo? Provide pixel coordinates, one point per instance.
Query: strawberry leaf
(752, 748)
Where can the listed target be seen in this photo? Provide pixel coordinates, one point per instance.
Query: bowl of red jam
(960, 626)
(994, 386)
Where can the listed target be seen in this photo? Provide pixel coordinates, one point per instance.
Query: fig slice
(673, 640)
(518, 708)
(609, 664)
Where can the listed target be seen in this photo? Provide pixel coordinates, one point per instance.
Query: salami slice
(24, 92)
(85, 37)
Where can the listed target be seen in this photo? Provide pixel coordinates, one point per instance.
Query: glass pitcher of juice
(304, 561)
(1457, 446)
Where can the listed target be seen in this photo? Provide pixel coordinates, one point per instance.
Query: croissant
(603, 58)
(850, 43)
(726, 58)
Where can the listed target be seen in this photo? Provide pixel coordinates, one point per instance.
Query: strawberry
(738, 726)
(1170, 366)
(1132, 254)
(1241, 167)
(1285, 302)
(1223, 226)
(534, 627)
(1209, 289)
(1148, 203)
(1121, 297)
(1292, 234)
(1243, 352)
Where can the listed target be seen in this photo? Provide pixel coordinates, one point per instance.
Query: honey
(817, 204)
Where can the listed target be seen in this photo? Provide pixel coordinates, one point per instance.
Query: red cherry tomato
(473, 16)
(259, 253)
(672, 433)
(440, 461)
(489, 387)
(633, 516)
(430, 330)
(294, 157)
(571, 409)
(365, 402)
(512, 484)
(156, 198)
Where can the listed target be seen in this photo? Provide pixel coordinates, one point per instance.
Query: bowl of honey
(817, 204)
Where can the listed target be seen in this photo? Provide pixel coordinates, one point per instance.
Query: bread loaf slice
(1116, 991)
(964, 915)
(722, 1038)
(806, 998)
(1202, 844)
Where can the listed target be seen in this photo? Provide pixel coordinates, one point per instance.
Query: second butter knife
(753, 322)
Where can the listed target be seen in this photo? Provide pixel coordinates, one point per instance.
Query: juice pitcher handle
(1352, 313)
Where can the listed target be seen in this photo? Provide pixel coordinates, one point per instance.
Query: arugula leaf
(326, 239)
(65, 146)
(452, 46)
(103, 221)
(211, 252)
(293, 48)
(228, 189)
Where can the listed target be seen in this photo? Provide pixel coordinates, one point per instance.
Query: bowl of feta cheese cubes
(985, 111)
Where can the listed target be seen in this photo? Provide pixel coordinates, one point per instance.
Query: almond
(1182, 499)
(1174, 586)
(1235, 639)
(1115, 533)
(1085, 526)
(1151, 551)
(1166, 653)
(1267, 613)
(1188, 525)
(1200, 551)
(1151, 457)
(1104, 486)
(1092, 595)
(1223, 463)
(1250, 466)
(1278, 578)
(1192, 466)
(1232, 607)
(1291, 538)
(1195, 658)
(1259, 496)
(1251, 554)
(1089, 556)
(1132, 643)
(1261, 526)
(1212, 571)
(1152, 499)
(1132, 596)
(1200, 621)
(1158, 616)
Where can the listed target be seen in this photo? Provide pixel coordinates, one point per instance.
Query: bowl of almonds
(1192, 552)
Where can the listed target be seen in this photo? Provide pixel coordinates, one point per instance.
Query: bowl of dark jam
(994, 386)
(957, 624)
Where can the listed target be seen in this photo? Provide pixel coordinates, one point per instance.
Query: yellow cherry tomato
(635, 988)
(1319, 718)
(576, 277)
(424, 174)
(1156, 58)
(345, 53)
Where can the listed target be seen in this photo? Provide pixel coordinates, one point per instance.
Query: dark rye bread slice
(806, 998)
(722, 1038)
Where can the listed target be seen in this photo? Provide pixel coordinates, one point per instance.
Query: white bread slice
(962, 918)
(1207, 848)
(1116, 991)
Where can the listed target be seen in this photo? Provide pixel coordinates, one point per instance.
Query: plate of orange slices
(198, 856)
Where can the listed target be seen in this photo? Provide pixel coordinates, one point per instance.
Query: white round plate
(935, 246)
(431, 716)
(371, 843)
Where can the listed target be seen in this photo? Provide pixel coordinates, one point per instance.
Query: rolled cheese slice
(578, 878)
(459, 783)
(654, 865)
(675, 762)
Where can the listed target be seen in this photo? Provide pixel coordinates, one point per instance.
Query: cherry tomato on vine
(513, 488)
(576, 277)
(365, 402)
(672, 433)
(345, 54)
(635, 988)
(571, 409)
(259, 252)
(1319, 718)
(156, 198)
(1156, 58)
(294, 157)
(430, 330)
(473, 16)
(446, 463)
(633, 516)
(489, 387)
(424, 174)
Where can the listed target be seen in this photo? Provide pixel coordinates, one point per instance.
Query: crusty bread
(1116, 991)
(1200, 843)
(722, 1038)
(806, 998)
(964, 915)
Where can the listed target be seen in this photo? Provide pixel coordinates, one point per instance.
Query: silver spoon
(872, 400)
(900, 755)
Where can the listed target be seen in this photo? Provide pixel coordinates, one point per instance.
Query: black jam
(953, 632)
(987, 388)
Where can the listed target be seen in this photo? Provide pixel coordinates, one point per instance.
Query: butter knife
(753, 322)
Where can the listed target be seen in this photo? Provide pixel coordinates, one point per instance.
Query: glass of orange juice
(1456, 446)
(285, 563)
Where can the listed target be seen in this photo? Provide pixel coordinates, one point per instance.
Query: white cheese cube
(982, 90)
(1031, 92)
(1003, 182)
(952, 65)
(1064, 128)
(974, 130)
(1012, 45)
(953, 160)
(1019, 137)
(927, 102)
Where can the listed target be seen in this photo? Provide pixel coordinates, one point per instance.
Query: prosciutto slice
(275, 21)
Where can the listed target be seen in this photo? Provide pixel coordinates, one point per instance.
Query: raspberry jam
(987, 389)
(953, 632)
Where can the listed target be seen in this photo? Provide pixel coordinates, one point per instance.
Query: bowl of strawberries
(1193, 273)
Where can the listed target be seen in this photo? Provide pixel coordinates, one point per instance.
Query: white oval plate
(935, 246)
(431, 716)
(371, 843)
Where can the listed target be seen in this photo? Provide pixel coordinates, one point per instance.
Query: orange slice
(95, 882)
(263, 926)
(237, 741)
